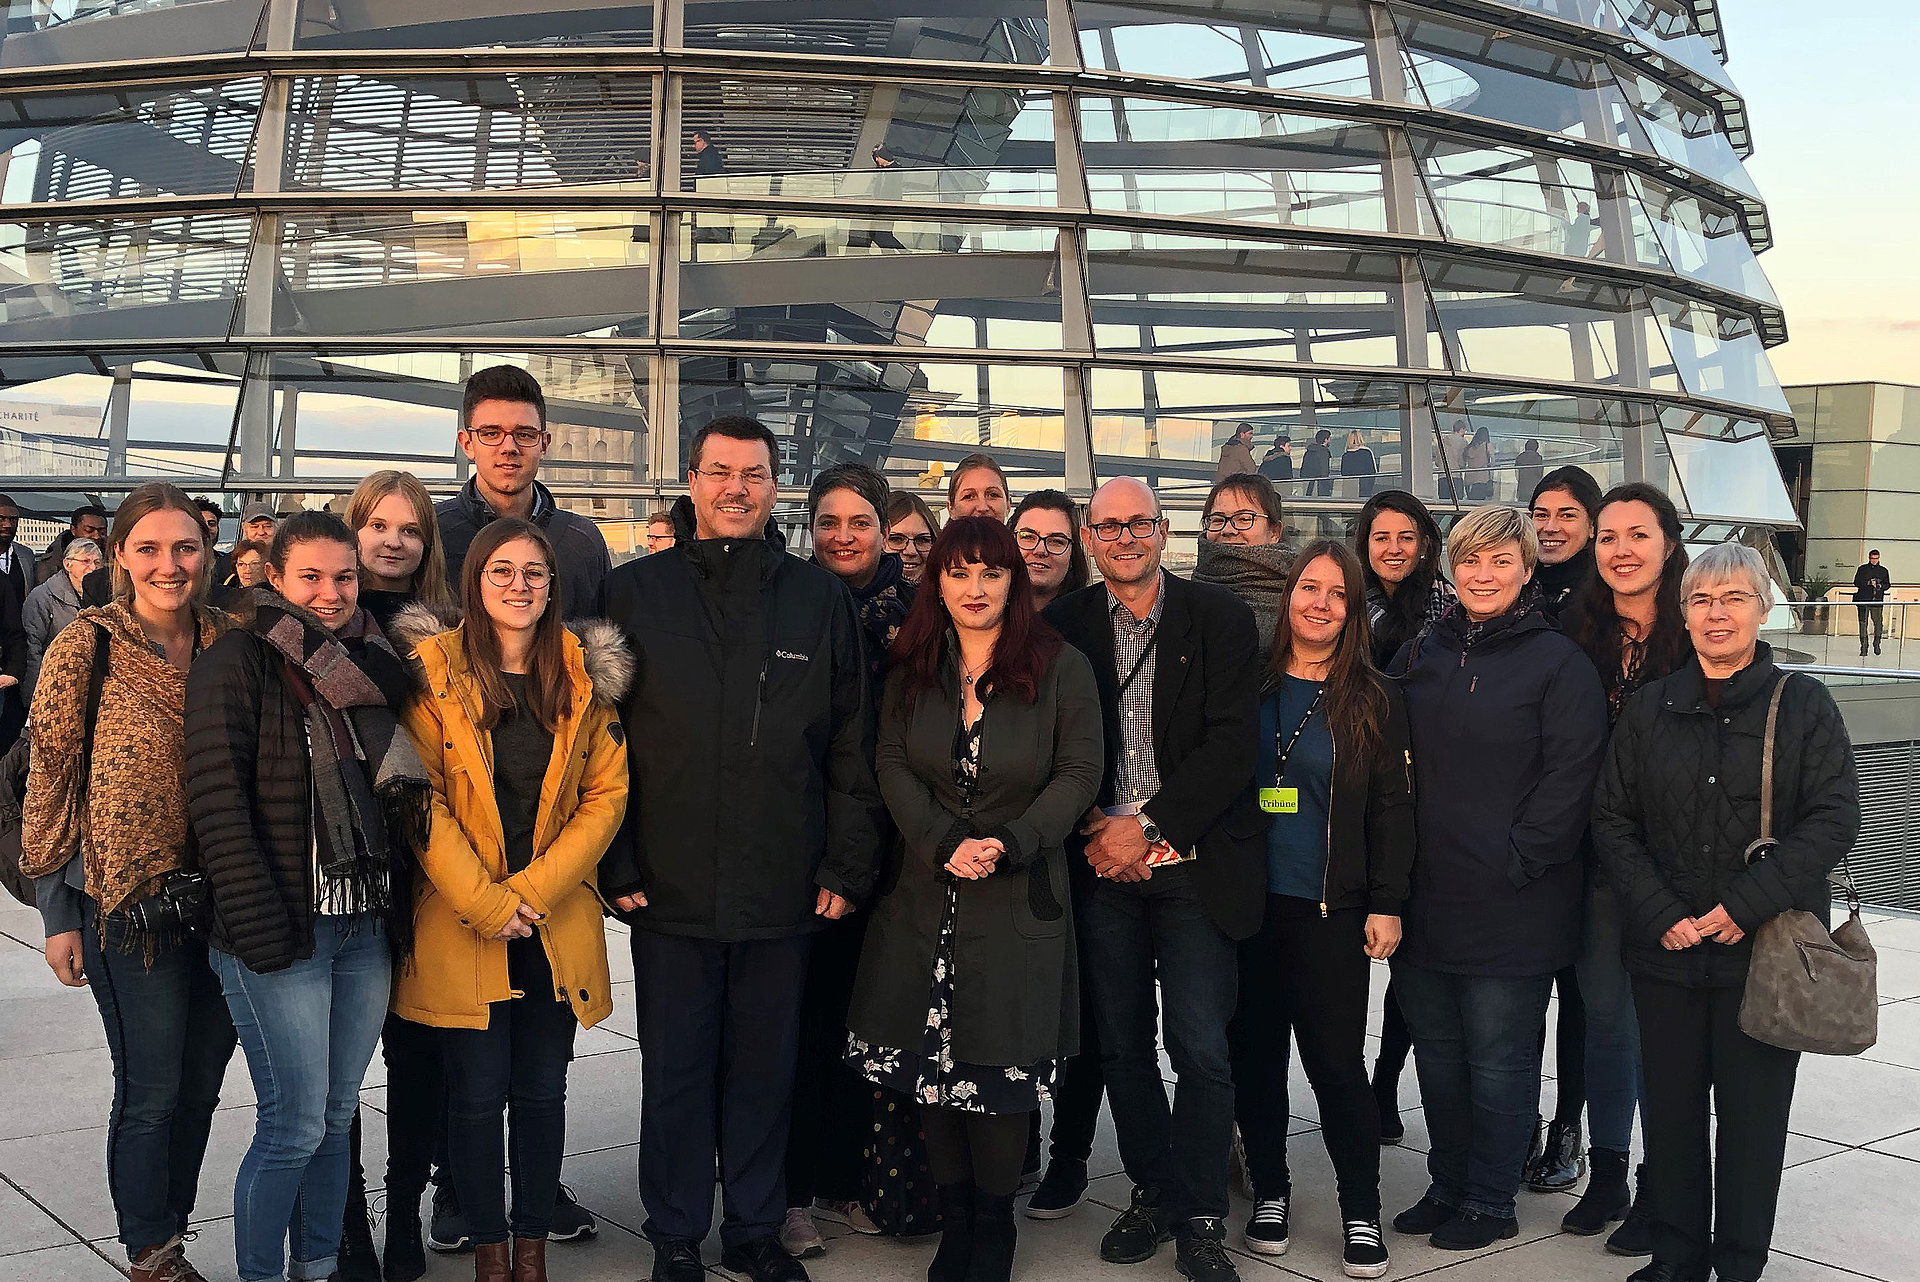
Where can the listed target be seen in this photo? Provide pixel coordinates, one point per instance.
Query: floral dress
(930, 1074)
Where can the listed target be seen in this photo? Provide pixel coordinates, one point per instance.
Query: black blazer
(1206, 736)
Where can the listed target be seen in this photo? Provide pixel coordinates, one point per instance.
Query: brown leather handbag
(1808, 990)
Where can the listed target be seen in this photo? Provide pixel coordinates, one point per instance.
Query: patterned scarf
(1256, 573)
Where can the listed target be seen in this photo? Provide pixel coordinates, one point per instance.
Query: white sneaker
(851, 1214)
(798, 1236)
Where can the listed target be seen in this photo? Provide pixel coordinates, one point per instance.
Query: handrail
(1837, 670)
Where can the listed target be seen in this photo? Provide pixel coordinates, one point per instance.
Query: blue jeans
(1476, 1046)
(170, 1037)
(309, 1032)
(1131, 930)
(1613, 1033)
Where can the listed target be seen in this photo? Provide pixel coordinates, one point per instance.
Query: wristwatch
(1148, 827)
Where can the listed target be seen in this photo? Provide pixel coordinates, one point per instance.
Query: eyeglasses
(1701, 601)
(523, 436)
(753, 477)
(899, 542)
(1238, 520)
(1140, 527)
(502, 576)
(1055, 544)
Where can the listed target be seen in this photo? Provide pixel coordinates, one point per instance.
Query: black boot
(357, 1260)
(994, 1234)
(1635, 1237)
(951, 1261)
(1606, 1197)
(406, 1255)
(1559, 1164)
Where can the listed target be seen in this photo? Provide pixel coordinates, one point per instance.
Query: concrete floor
(1848, 1206)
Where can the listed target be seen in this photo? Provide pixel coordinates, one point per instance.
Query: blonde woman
(401, 557)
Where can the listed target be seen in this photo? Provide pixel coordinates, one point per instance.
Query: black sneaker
(1562, 1160)
(1266, 1231)
(1366, 1251)
(1470, 1230)
(447, 1231)
(1635, 1236)
(1137, 1232)
(1060, 1192)
(761, 1260)
(676, 1260)
(1423, 1217)
(1202, 1252)
(571, 1221)
(1662, 1271)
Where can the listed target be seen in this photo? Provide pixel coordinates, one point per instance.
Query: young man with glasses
(503, 431)
(1173, 872)
(750, 826)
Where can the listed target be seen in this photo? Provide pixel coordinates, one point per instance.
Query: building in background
(255, 245)
(1852, 481)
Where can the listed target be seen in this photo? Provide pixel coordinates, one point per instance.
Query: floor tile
(1855, 1208)
(27, 1227)
(76, 1263)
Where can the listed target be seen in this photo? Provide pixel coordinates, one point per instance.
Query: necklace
(968, 675)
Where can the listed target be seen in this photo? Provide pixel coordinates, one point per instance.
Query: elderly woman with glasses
(1241, 525)
(1675, 817)
(56, 603)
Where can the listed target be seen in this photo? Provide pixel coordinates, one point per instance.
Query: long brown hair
(1356, 704)
(549, 689)
(429, 584)
(1027, 642)
(155, 496)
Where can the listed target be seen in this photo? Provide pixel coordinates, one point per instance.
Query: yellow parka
(466, 895)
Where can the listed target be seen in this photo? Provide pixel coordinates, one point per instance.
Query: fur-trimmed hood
(605, 657)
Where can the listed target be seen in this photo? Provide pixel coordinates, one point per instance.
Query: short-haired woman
(529, 769)
(1241, 528)
(1676, 811)
(1338, 793)
(1046, 524)
(991, 748)
(911, 527)
(114, 921)
(1509, 723)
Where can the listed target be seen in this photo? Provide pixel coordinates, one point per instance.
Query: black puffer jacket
(1678, 803)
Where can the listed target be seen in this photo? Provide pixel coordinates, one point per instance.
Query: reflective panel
(1703, 240)
(928, 144)
(138, 416)
(858, 280)
(471, 24)
(53, 33)
(1718, 353)
(1146, 155)
(1669, 28)
(1304, 46)
(984, 31)
(370, 133)
(157, 140)
(1685, 129)
(1228, 299)
(100, 280)
(1732, 478)
(477, 271)
(1489, 434)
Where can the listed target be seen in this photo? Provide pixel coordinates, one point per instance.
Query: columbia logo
(788, 654)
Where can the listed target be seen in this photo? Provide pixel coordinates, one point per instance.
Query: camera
(176, 908)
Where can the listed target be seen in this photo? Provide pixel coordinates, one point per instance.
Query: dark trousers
(1305, 976)
(1396, 1043)
(833, 1108)
(1081, 1083)
(170, 1036)
(1569, 1048)
(517, 1067)
(987, 1149)
(719, 1038)
(1713, 1208)
(1876, 614)
(416, 1116)
(1476, 1046)
(1137, 932)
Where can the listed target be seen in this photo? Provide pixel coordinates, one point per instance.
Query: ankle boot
(493, 1262)
(357, 1260)
(1606, 1197)
(529, 1259)
(406, 1255)
(956, 1234)
(994, 1234)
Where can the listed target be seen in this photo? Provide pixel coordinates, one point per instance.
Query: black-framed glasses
(502, 576)
(527, 437)
(900, 542)
(1055, 544)
(1140, 527)
(1242, 520)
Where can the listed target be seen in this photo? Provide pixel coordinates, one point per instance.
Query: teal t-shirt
(1297, 842)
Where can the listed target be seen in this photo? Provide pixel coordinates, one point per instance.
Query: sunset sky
(1831, 92)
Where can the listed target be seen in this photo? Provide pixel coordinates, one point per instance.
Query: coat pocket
(1039, 908)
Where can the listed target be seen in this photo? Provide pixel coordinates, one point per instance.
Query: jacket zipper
(759, 702)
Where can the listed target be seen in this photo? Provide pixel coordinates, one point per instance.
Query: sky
(1830, 92)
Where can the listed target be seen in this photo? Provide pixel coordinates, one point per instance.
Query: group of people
(944, 823)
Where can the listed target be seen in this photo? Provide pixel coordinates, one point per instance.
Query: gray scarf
(1257, 574)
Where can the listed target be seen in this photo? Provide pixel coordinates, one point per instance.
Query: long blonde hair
(430, 577)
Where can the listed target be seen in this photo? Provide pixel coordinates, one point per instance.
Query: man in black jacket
(749, 827)
(1173, 871)
(503, 429)
(1870, 584)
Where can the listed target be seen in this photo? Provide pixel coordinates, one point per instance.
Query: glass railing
(1828, 634)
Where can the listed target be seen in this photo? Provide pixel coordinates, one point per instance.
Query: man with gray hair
(56, 603)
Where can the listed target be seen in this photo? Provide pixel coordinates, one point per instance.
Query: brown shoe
(529, 1259)
(164, 1263)
(493, 1262)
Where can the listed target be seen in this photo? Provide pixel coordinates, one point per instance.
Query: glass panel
(565, 272)
(330, 420)
(1666, 27)
(1196, 160)
(1686, 130)
(156, 140)
(98, 280)
(1152, 292)
(365, 133)
(1718, 353)
(472, 24)
(912, 420)
(52, 33)
(1305, 46)
(1710, 424)
(1732, 478)
(59, 415)
(1010, 31)
(928, 144)
(1703, 240)
(1484, 433)
(857, 280)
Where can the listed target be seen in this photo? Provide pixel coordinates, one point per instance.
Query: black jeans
(1082, 1082)
(516, 1066)
(416, 1116)
(1713, 1209)
(1876, 615)
(1569, 1048)
(1305, 976)
(1138, 932)
(170, 1036)
(719, 1038)
(834, 1115)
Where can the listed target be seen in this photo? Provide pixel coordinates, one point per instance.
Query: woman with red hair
(990, 751)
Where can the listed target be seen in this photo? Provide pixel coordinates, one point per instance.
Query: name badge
(1280, 801)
